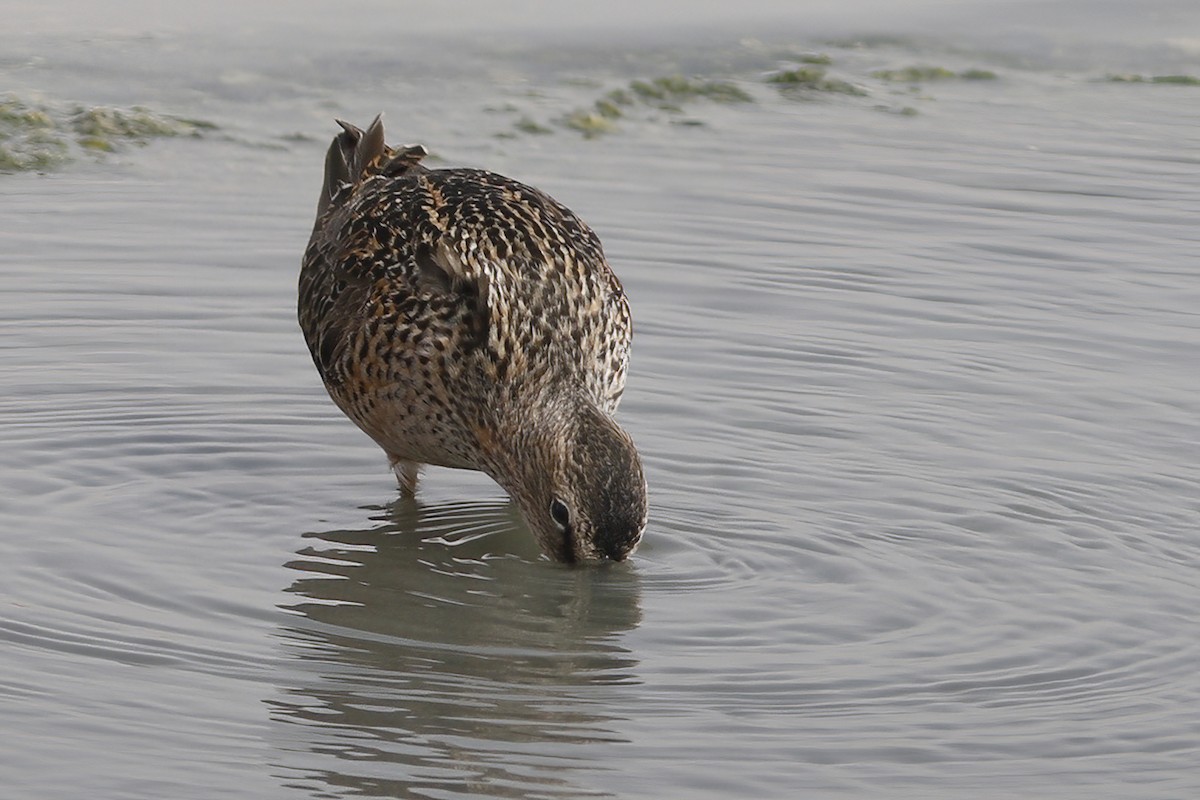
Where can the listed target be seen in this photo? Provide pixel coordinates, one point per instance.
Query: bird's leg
(407, 473)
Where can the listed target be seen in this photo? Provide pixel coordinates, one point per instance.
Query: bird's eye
(560, 514)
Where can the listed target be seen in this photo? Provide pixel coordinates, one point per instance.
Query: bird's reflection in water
(436, 654)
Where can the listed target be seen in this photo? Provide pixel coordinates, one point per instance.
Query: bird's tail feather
(350, 154)
(355, 153)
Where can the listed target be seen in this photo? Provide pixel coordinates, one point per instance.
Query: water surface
(914, 380)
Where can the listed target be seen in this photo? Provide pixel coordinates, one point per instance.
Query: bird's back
(435, 301)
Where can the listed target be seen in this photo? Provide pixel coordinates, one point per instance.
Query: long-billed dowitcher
(463, 319)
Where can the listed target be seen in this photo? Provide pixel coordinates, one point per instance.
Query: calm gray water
(915, 379)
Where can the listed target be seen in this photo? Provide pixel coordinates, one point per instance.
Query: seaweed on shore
(38, 138)
(669, 93)
(924, 74)
(1171, 80)
(812, 79)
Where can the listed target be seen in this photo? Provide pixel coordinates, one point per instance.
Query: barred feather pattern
(461, 318)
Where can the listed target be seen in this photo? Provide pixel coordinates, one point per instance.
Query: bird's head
(578, 481)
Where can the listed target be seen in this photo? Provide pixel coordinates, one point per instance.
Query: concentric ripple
(913, 379)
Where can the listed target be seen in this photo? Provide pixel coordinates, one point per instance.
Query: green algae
(820, 59)
(925, 74)
(531, 126)
(39, 137)
(97, 143)
(803, 76)
(901, 111)
(16, 115)
(136, 124)
(29, 138)
(608, 109)
(1177, 80)
(32, 154)
(589, 123)
(812, 79)
(619, 97)
(642, 98)
(914, 74)
(1172, 80)
(676, 89)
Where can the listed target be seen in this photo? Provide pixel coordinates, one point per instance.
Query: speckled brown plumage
(464, 319)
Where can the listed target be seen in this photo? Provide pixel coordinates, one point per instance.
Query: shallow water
(914, 380)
